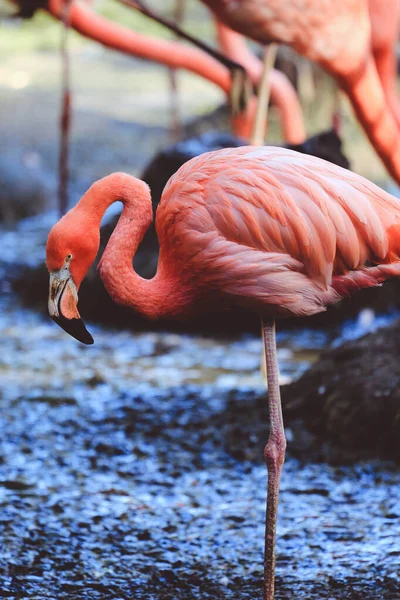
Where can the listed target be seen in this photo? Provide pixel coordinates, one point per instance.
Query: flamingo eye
(68, 257)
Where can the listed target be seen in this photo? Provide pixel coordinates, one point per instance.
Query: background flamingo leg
(274, 455)
(261, 117)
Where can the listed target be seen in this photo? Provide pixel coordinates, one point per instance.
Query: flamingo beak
(63, 305)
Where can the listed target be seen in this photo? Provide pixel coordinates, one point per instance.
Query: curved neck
(234, 45)
(167, 52)
(156, 297)
(370, 106)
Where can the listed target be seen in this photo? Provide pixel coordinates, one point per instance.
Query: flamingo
(176, 55)
(337, 37)
(268, 229)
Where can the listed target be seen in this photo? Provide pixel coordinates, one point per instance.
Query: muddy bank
(352, 394)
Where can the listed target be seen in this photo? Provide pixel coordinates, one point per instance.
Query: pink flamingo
(337, 37)
(276, 232)
(175, 55)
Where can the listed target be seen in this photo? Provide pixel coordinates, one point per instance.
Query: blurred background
(134, 468)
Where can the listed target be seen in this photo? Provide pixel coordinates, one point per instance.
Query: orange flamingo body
(277, 232)
(337, 36)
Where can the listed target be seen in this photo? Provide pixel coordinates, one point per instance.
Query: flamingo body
(166, 162)
(280, 233)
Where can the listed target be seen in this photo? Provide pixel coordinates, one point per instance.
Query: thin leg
(337, 117)
(176, 124)
(274, 455)
(65, 117)
(260, 119)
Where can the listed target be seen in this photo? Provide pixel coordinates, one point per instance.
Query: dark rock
(352, 394)
(51, 399)
(167, 161)
(326, 145)
(219, 119)
(17, 486)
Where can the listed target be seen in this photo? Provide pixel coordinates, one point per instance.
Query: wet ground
(133, 469)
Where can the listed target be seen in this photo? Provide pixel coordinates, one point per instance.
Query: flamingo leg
(260, 119)
(176, 124)
(65, 116)
(274, 455)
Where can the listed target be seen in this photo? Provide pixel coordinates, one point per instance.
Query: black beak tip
(75, 328)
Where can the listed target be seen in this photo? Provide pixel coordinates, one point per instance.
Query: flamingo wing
(275, 227)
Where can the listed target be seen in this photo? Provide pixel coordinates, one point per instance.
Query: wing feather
(261, 219)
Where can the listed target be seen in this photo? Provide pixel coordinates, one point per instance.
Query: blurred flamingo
(337, 36)
(385, 21)
(174, 54)
(279, 233)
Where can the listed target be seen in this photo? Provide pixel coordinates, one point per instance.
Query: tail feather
(353, 281)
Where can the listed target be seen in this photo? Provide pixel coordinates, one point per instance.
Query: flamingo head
(71, 248)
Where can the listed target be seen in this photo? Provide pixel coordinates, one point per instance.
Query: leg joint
(274, 451)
